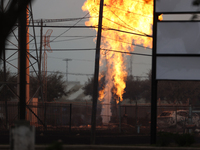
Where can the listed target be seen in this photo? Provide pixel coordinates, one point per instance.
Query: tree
(179, 91)
(196, 2)
(133, 90)
(55, 86)
(8, 88)
(88, 88)
(135, 87)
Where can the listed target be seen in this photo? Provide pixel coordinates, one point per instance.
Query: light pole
(67, 68)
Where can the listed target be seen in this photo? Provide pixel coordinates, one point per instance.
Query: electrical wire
(61, 20)
(117, 51)
(73, 39)
(127, 32)
(88, 49)
(72, 59)
(130, 11)
(69, 28)
(83, 37)
(144, 1)
(130, 28)
(77, 38)
(126, 42)
(69, 49)
(78, 74)
(126, 23)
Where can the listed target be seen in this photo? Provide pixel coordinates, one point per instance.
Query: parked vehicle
(170, 118)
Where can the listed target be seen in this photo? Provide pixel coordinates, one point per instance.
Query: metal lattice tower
(47, 47)
(11, 59)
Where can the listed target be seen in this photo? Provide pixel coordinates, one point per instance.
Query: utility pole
(67, 68)
(154, 82)
(96, 75)
(22, 63)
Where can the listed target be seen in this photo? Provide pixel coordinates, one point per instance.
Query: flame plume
(133, 16)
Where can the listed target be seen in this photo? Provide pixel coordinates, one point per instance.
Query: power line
(69, 28)
(70, 49)
(83, 37)
(72, 59)
(77, 74)
(104, 28)
(128, 32)
(64, 36)
(87, 49)
(77, 38)
(61, 20)
(72, 39)
(117, 51)
(126, 42)
(129, 27)
(146, 2)
(129, 11)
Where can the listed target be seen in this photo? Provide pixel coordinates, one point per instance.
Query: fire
(133, 16)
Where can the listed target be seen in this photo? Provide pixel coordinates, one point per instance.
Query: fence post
(136, 116)
(119, 116)
(18, 104)
(190, 116)
(176, 118)
(45, 111)
(70, 117)
(6, 103)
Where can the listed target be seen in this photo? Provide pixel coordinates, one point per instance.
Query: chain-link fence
(130, 118)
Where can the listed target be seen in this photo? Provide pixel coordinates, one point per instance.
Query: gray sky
(82, 61)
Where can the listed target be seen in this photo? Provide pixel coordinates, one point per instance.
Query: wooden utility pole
(154, 83)
(96, 75)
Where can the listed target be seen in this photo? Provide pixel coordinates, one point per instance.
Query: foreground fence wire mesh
(131, 118)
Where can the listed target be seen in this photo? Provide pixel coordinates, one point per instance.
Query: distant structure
(47, 47)
(67, 68)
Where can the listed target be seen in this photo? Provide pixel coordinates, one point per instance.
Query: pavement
(107, 147)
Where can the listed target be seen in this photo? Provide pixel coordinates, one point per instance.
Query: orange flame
(122, 16)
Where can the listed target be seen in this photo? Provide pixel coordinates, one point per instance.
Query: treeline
(169, 91)
(55, 86)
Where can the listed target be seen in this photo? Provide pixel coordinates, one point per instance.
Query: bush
(184, 139)
(55, 146)
(164, 138)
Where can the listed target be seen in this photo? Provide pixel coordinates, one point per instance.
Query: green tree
(8, 88)
(55, 86)
(179, 91)
(88, 88)
(196, 2)
(133, 90)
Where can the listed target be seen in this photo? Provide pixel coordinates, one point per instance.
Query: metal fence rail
(133, 118)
